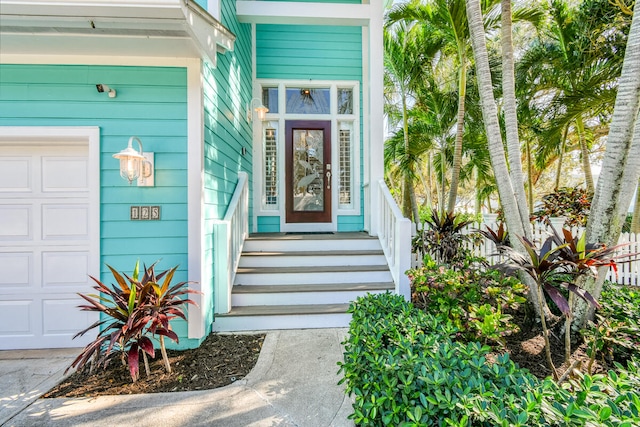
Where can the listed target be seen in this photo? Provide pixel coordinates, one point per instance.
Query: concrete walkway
(294, 383)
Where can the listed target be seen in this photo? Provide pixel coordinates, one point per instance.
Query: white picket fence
(628, 272)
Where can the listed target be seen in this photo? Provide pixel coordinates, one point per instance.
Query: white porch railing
(628, 272)
(395, 237)
(229, 235)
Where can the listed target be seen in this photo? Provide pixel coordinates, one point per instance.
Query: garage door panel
(16, 317)
(65, 221)
(65, 269)
(15, 174)
(15, 222)
(48, 230)
(16, 269)
(61, 316)
(65, 174)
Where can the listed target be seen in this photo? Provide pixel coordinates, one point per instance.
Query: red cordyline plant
(557, 265)
(131, 312)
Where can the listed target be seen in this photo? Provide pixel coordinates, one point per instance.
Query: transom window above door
(309, 100)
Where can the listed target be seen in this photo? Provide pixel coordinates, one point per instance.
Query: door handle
(328, 180)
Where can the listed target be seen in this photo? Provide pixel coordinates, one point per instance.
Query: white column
(376, 113)
(195, 179)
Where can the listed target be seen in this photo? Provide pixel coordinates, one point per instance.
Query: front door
(308, 171)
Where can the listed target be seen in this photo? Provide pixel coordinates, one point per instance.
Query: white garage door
(45, 241)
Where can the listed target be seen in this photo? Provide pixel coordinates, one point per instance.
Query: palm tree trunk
(457, 148)
(529, 176)
(407, 184)
(511, 118)
(563, 144)
(621, 164)
(495, 145)
(635, 220)
(584, 151)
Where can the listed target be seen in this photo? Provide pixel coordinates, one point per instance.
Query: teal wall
(308, 52)
(151, 103)
(227, 93)
(312, 53)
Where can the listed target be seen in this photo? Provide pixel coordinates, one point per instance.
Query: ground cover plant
(404, 368)
(479, 303)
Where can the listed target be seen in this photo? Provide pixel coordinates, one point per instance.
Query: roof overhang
(302, 13)
(142, 28)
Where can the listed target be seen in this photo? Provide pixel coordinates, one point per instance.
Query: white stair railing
(395, 237)
(229, 235)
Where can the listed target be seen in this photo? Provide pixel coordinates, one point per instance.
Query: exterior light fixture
(101, 88)
(260, 109)
(136, 165)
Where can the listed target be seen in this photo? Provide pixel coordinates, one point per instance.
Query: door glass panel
(308, 101)
(308, 168)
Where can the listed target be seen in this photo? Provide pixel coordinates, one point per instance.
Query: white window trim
(280, 118)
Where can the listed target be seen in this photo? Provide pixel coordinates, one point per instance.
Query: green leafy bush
(477, 302)
(571, 202)
(442, 239)
(615, 335)
(404, 369)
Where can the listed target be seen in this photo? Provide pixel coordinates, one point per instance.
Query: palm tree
(510, 116)
(621, 164)
(402, 68)
(568, 77)
(446, 24)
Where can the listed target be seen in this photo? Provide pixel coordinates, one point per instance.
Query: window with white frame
(270, 171)
(345, 159)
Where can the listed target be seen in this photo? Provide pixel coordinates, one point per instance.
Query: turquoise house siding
(310, 52)
(151, 103)
(227, 93)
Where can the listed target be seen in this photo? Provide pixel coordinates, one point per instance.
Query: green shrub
(615, 335)
(404, 369)
(476, 302)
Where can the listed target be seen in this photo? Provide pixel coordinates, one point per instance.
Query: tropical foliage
(133, 311)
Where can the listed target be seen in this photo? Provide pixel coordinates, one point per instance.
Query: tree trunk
(621, 165)
(635, 220)
(530, 176)
(457, 149)
(492, 126)
(407, 182)
(511, 118)
(563, 143)
(584, 152)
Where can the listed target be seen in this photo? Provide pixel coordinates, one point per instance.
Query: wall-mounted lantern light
(259, 108)
(136, 165)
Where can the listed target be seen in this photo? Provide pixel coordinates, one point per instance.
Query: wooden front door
(308, 171)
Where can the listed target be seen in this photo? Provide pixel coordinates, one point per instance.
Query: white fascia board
(172, 28)
(275, 12)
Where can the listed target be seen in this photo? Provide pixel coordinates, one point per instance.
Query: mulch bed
(220, 360)
(526, 348)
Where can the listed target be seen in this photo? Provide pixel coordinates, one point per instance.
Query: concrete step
(312, 258)
(312, 275)
(341, 293)
(283, 317)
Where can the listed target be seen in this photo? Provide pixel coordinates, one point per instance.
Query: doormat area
(308, 232)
